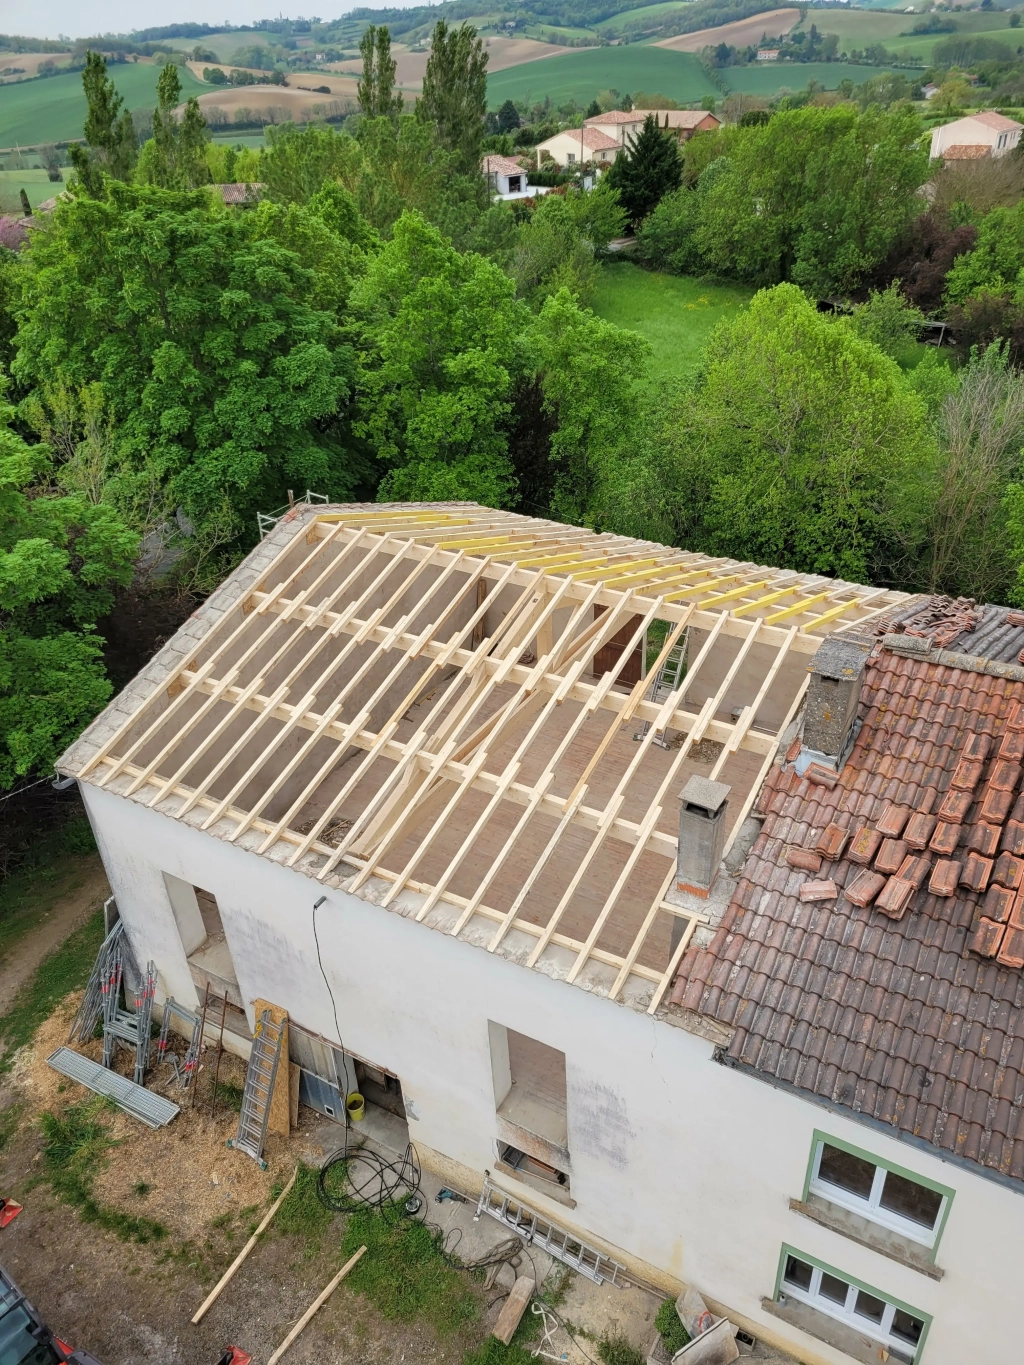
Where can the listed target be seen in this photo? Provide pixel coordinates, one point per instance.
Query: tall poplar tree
(455, 93)
(109, 131)
(376, 90)
(175, 158)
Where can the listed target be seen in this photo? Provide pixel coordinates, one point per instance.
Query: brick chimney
(702, 809)
(830, 711)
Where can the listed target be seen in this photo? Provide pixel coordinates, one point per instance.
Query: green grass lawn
(580, 74)
(53, 110)
(675, 313)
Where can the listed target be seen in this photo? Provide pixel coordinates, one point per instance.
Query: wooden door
(609, 655)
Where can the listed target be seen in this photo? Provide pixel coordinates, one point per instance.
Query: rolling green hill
(53, 110)
(580, 74)
(679, 75)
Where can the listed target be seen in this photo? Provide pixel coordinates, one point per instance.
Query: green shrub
(617, 1350)
(670, 1328)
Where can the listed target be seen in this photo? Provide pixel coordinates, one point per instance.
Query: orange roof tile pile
(903, 997)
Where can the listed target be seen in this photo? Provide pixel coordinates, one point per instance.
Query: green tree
(301, 158)
(801, 445)
(455, 93)
(589, 373)
(652, 168)
(175, 156)
(376, 90)
(404, 166)
(223, 377)
(556, 247)
(60, 558)
(509, 120)
(817, 195)
(109, 131)
(997, 260)
(442, 341)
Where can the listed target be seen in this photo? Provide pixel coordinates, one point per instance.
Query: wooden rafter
(398, 669)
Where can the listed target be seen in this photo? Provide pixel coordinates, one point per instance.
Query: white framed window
(899, 1328)
(571, 158)
(905, 1203)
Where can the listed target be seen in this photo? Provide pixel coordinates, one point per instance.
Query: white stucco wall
(680, 1162)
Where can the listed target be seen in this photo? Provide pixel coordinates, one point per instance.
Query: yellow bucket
(356, 1106)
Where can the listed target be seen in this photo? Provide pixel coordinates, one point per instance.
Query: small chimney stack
(830, 712)
(702, 809)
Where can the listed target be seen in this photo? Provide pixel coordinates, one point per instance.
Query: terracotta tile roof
(991, 119)
(616, 116)
(240, 193)
(676, 118)
(500, 165)
(962, 151)
(904, 998)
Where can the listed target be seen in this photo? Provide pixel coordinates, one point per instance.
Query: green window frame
(868, 1207)
(782, 1286)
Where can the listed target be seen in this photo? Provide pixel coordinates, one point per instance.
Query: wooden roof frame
(448, 559)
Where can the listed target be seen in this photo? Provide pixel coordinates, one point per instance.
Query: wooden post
(314, 1307)
(214, 1293)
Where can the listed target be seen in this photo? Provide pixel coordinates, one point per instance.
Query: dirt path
(53, 927)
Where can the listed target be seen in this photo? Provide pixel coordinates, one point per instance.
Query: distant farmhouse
(602, 137)
(975, 137)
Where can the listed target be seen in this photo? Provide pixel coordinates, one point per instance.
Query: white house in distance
(579, 145)
(623, 126)
(507, 179)
(974, 137)
(743, 1009)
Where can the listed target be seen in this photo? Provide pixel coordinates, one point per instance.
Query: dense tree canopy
(801, 445)
(652, 169)
(60, 556)
(221, 373)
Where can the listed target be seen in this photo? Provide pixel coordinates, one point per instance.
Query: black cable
(334, 1007)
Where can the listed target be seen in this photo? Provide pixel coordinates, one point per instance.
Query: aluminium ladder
(259, 1087)
(666, 680)
(556, 1241)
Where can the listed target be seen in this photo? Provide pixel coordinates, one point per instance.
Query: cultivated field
(502, 53)
(654, 13)
(36, 184)
(768, 80)
(29, 62)
(580, 73)
(263, 99)
(53, 110)
(775, 23)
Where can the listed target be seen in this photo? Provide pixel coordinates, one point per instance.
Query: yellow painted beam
(473, 543)
(796, 608)
(827, 616)
(670, 571)
(700, 587)
(717, 597)
(557, 562)
(765, 601)
(373, 518)
(594, 575)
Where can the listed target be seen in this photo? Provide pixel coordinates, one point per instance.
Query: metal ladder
(184, 1072)
(556, 1241)
(666, 680)
(122, 1026)
(259, 1086)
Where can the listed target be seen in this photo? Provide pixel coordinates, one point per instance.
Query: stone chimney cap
(838, 658)
(709, 796)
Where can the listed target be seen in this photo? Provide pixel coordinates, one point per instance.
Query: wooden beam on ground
(315, 1307)
(222, 1283)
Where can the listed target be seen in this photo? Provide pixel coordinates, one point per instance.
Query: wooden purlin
(432, 773)
(610, 624)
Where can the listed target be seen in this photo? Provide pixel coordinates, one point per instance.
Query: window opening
(529, 1084)
(867, 1310)
(887, 1197)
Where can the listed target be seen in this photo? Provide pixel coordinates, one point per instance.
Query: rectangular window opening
(898, 1328)
(894, 1199)
(529, 1089)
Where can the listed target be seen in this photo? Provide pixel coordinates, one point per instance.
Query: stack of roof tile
(902, 997)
